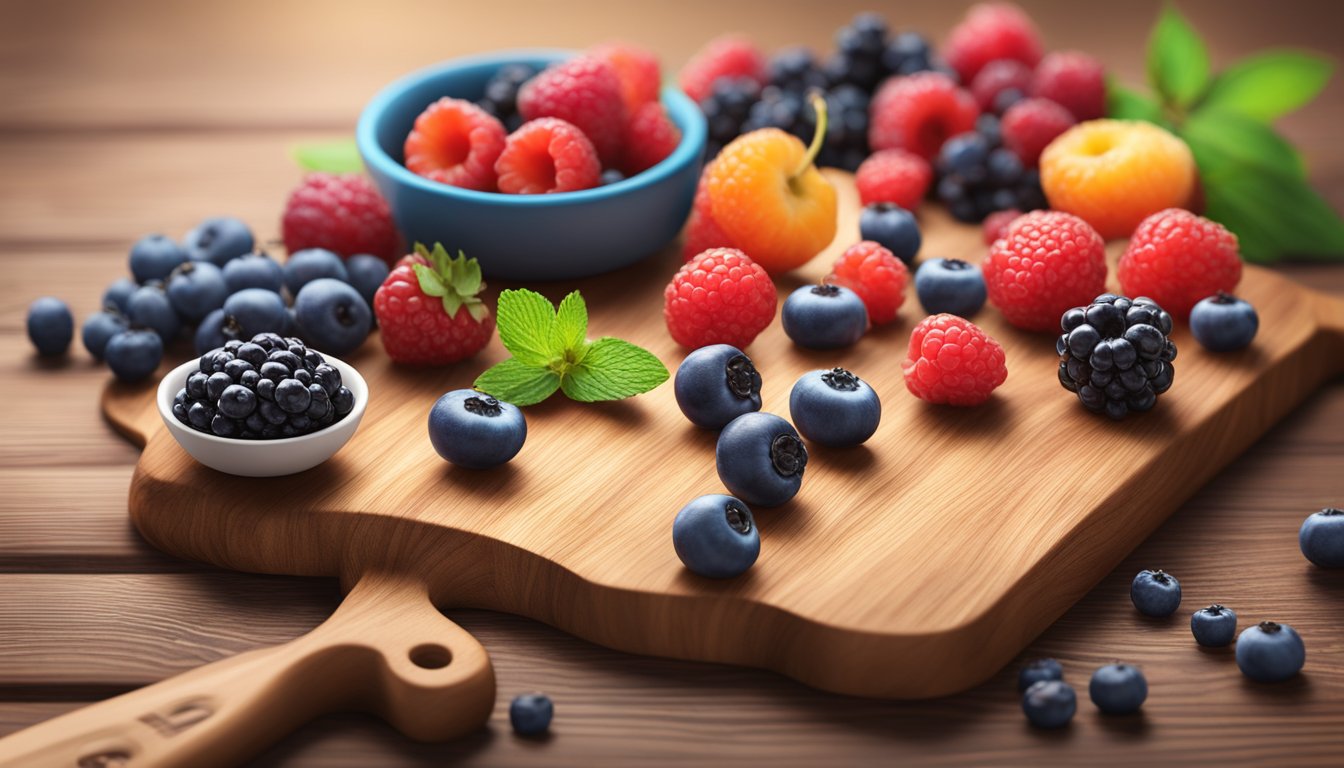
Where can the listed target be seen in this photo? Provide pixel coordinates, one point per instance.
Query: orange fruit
(1115, 173)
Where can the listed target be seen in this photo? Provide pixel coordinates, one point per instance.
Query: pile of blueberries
(214, 286)
(978, 176)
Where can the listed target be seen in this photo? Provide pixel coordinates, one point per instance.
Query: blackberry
(978, 176)
(846, 143)
(796, 69)
(1115, 354)
(501, 94)
(266, 388)
(860, 46)
(726, 109)
(910, 52)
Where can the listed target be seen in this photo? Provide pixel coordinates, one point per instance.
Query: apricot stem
(818, 137)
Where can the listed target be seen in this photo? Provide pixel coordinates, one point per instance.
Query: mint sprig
(1254, 181)
(551, 351)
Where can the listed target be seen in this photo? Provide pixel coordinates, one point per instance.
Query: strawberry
(429, 309)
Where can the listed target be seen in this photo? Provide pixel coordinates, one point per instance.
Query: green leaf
(1271, 84)
(571, 323)
(1178, 62)
(329, 157)
(518, 383)
(1125, 104)
(466, 275)
(614, 369)
(429, 281)
(1274, 214)
(1221, 139)
(526, 322)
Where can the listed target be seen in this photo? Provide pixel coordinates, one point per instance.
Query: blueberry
(367, 274)
(761, 459)
(292, 396)
(950, 285)
(328, 378)
(1118, 689)
(50, 326)
(218, 240)
(907, 53)
(716, 537)
(333, 316)
(149, 306)
(1049, 704)
(307, 265)
(133, 355)
(824, 317)
(470, 428)
(1270, 652)
(1215, 626)
(253, 270)
(987, 125)
(893, 227)
(1155, 593)
(216, 383)
(1038, 670)
(530, 714)
(1004, 168)
(344, 402)
(99, 328)
(213, 332)
(964, 155)
(199, 415)
(1321, 538)
(1223, 323)
(154, 257)
(118, 294)
(834, 408)
(320, 402)
(237, 401)
(288, 359)
(254, 311)
(195, 289)
(716, 384)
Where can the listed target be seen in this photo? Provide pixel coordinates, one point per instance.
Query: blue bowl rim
(684, 112)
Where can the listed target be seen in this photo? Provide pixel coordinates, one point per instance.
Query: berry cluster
(978, 177)
(1115, 354)
(268, 388)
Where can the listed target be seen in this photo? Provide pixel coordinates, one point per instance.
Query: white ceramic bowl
(262, 458)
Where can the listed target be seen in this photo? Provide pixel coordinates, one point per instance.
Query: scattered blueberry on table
(716, 384)
(715, 536)
(332, 316)
(530, 714)
(893, 227)
(1049, 703)
(134, 354)
(51, 326)
(1214, 627)
(1224, 323)
(99, 328)
(824, 317)
(472, 429)
(761, 459)
(367, 273)
(1118, 689)
(1270, 652)
(1038, 670)
(950, 285)
(1155, 593)
(253, 311)
(218, 240)
(118, 294)
(149, 307)
(195, 289)
(1321, 538)
(154, 257)
(310, 264)
(254, 270)
(834, 407)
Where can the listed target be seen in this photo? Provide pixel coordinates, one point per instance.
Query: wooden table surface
(118, 119)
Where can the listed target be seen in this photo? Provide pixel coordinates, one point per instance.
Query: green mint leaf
(329, 157)
(1125, 104)
(571, 324)
(430, 282)
(518, 383)
(1274, 214)
(1269, 85)
(1220, 139)
(1178, 62)
(526, 322)
(612, 370)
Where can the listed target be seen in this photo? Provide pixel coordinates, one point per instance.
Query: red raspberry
(877, 276)
(919, 112)
(585, 92)
(991, 31)
(649, 138)
(894, 176)
(727, 56)
(702, 231)
(996, 224)
(342, 213)
(1073, 80)
(1031, 124)
(719, 297)
(1046, 263)
(636, 68)
(420, 329)
(456, 142)
(1177, 258)
(547, 155)
(952, 362)
(999, 76)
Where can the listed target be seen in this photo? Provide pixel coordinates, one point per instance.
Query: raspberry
(996, 224)
(1115, 173)
(877, 276)
(991, 31)
(1045, 263)
(636, 68)
(727, 56)
(951, 361)
(919, 112)
(1030, 125)
(547, 155)
(1073, 80)
(894, 176)
(719, 297)
(585, 92)
(416, 327)
(456, 142)
(650, 137)
(1115, 355)
(702, 232)
(999, 76)
(1178, 258)
(341, 213)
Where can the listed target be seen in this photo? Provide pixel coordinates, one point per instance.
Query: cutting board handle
(386, 650)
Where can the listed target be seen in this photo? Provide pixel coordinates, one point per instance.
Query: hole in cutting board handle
(431, 656)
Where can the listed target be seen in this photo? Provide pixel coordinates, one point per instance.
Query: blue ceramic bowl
(527, 237)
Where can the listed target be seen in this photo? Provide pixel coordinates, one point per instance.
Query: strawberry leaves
(454, 280)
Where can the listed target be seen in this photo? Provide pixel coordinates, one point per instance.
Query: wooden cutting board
(915, 566)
